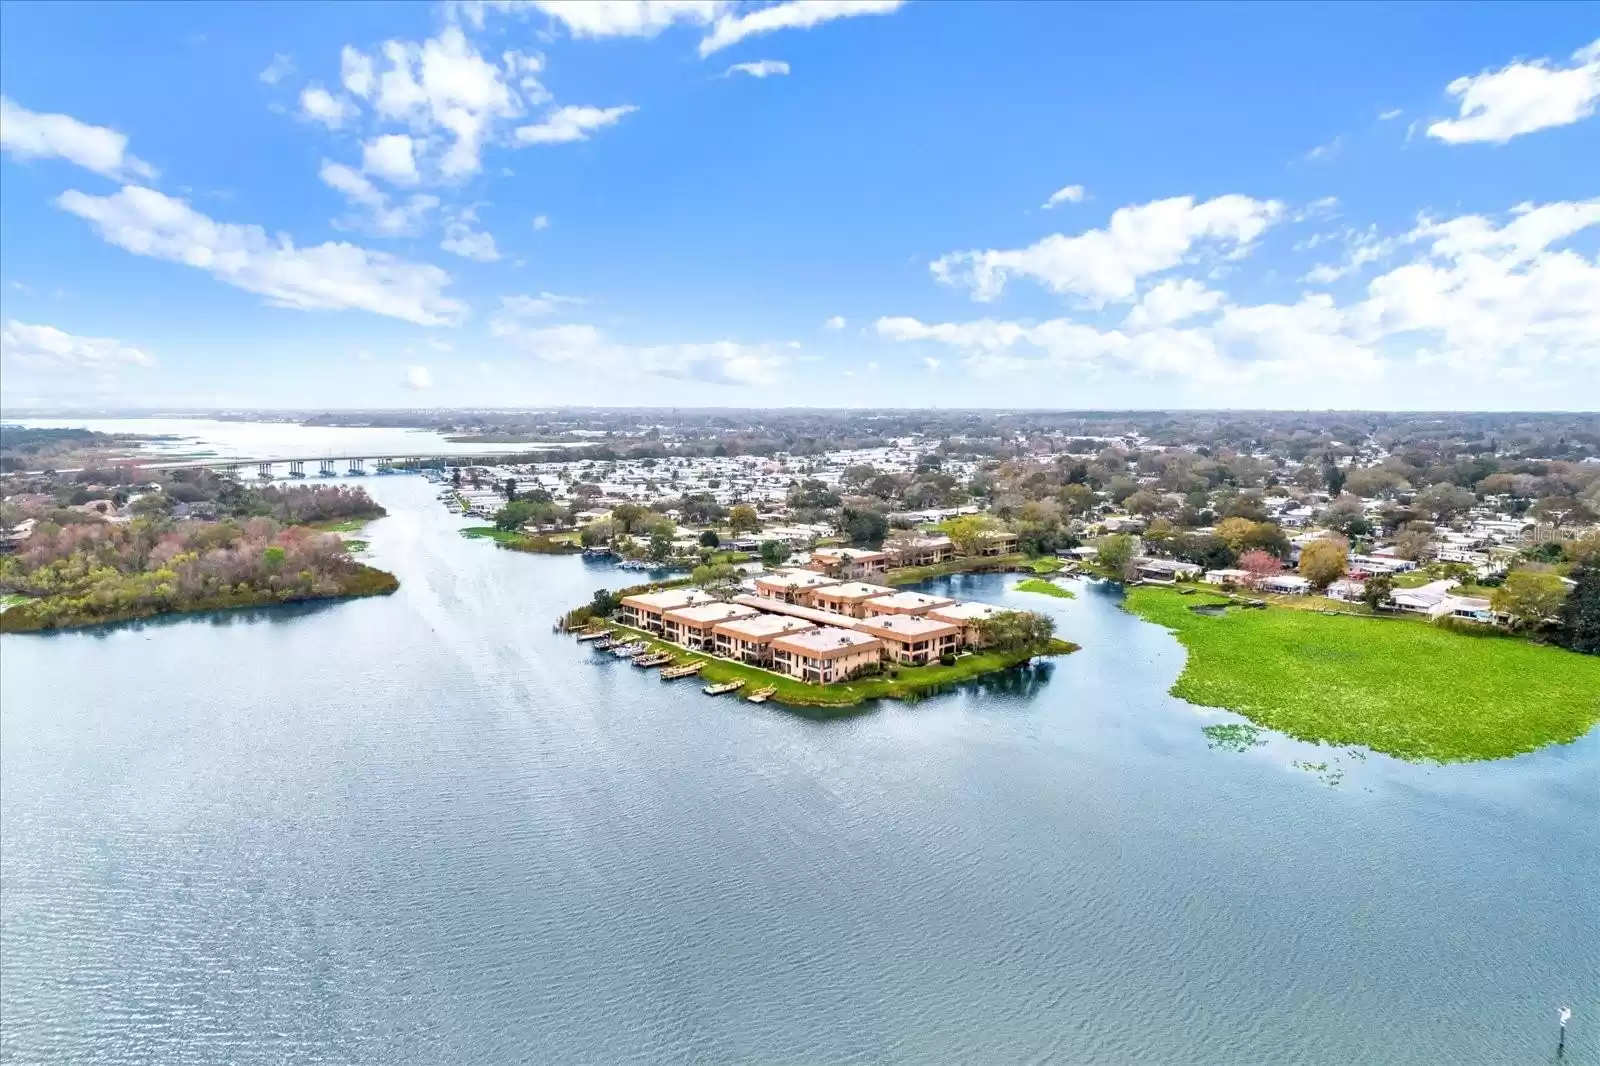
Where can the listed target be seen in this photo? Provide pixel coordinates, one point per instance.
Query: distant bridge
(328, 466)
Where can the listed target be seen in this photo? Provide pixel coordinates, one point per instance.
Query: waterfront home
(967, 616)
(644, 611)
(850, 564)
(1347, 589)
(909, 603)
(1228, 577)
(928, 550)
(1165, 569)
(825, 655)
(692, 627)
(791, 586)
(913, 640)
(814, 615)
(1285, 585)
(1435, 600)
(750, 639)
(847, 598)
(996, 542)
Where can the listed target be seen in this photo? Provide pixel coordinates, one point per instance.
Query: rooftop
(854, 590)
(704, 613)
(965, 612)
(845, 553)
(763, 626)
(794, 610)
(910, 601)
(794, 579)
(827, 642)
(906, 627)
(668, 600)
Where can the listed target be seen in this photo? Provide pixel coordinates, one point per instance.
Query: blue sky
(826, 203)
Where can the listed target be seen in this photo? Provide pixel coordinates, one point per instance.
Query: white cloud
(541, 222)
(29, 135)
(50, 349)
(418, 378)
(1392, 113)
(1067, 194)
(793, 15)
(1482, 298)
(761, 68)
(1361, 247)
(1324, 152)
(507, 321)
(834, 323)
(1172, 301)
(1101, 265)
(567, 124)
(444, 84)
(319, 105)
(281, 67)
(330, 276)
(623, 18)
(355, 71)
(718, 363)
(384, 218)
(392, 157)
(461, 239)
(1522, 98)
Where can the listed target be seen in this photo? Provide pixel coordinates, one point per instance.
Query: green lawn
(342, 525)
(1044, 588)
(913, 681)
(1398, 686)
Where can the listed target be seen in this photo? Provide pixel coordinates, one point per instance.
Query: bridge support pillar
(356, 466)
(328, 469)
(264, 471)
(297, 468)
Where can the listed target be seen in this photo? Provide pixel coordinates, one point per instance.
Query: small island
(807, 640)
(1395, 685)
(121, 543)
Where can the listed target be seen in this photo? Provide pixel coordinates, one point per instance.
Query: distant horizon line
(183, 412)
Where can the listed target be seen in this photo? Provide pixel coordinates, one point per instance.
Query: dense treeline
(102, 571)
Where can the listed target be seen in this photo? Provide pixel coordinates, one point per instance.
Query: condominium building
(644, 610)
(692, 627)
(791, 586)
(849, 564)
(913, 603)
(913, 640)
(847, 598)
(967, 616)
(825, 655)
(912, 550)
(750, 639)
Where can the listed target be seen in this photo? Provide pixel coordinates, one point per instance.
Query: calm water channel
(425, 829)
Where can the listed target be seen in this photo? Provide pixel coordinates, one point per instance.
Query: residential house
(1285, 585)
(825, 655)
(996, 542)
(750, 639)
(1228, 577)
(913, 640)
(692, 627)
(1150, 569)
(644, 611)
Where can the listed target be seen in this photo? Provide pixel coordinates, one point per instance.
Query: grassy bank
(345, 525)
(25, 617)
(910, 575)
(1401, 687)
(1044, 588)
(540, 544)
(911, 682)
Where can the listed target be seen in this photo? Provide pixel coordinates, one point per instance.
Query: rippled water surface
(425, 829)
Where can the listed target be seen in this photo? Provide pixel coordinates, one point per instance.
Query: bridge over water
(329, 466)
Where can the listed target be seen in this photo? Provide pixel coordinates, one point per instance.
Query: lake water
(426, 829)
(261, 440)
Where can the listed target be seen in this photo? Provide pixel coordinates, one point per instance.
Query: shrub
(947, 659)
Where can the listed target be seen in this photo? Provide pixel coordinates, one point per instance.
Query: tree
(1334, 478)
(1530, 598)
(604, 603)
(511, 489)
(1580, 614)
(1413, 544)
(1016, 630)
(1443, 501)
(774, 552)
(966, 531)
(1114, 552)
(630, 517)
(660, 544)
(597, 533)
(1203, 550)
(1076, 499)
(709, 539)
(1236, 531)
(1345, 515)
(513, 516)
(864, 525)
(1260, 564)
(715, 574)
(455, 477)
(1322, 562)
(743, 519)
(1376, 592)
